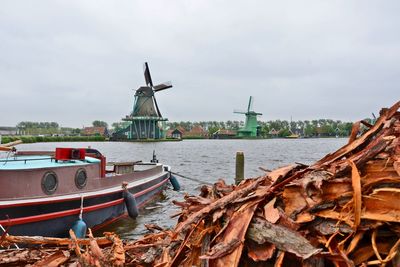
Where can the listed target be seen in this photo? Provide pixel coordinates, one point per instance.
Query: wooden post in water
(239, 167)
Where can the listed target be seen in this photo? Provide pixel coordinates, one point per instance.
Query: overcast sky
(77, 61)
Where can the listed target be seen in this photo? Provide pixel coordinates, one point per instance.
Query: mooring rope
(4, 230)
(8, 156)
(80, 213)
(192, 179)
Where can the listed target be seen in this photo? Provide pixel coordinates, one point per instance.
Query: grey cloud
(306, 59)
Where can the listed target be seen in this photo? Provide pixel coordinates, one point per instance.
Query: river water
(202, 161)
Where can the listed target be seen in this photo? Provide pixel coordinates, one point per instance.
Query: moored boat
(293, 136)
(46, 193)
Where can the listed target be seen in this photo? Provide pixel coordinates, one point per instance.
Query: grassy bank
(40, 139)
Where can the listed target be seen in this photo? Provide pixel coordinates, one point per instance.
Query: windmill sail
(250, 107)
(158, 110)
(239, 111)
(147, 75)
(162, 86)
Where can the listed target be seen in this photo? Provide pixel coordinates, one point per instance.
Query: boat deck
(38, 162)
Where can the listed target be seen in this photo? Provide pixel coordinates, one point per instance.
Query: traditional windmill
(147, 122)
(251, 126)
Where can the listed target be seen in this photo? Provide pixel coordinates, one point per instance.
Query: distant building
(273, 133)
(224, 134)
(196, 131)
(90, 131)
(4, 130)
(322, 132)
(177, 134)
(181, 129)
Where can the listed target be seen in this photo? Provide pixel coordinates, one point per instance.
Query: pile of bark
(341, 211)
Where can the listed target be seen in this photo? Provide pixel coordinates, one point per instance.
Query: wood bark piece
(4, 148)
(262, 231)
(277, 174)
(356, 182)
(271, 214)
(260, 252)
(279, 259)
(354, 132)
(382, 205)
(11, 144)
(396, 166)
(94, 247)
(53, 260)
(236, 230)
(117, 257)
(52, 241)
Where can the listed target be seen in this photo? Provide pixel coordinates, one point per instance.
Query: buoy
(79, 227)
(174, 182)
(130, 204)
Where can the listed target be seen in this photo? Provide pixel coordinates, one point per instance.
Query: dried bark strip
(356, 182)
(284, 239)
(40, 240)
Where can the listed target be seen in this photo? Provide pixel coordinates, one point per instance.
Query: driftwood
(40, 240)
(10, 146)
(343, 210)
(37, 256)
(285, 239)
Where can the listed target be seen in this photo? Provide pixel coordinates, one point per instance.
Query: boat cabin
(65, 171)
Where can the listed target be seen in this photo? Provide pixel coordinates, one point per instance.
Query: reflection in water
(202, 160)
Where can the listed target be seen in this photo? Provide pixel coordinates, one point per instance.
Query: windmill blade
(239, 111)
(162, 86)
(147, 75)
(250, 107)
(158, 110)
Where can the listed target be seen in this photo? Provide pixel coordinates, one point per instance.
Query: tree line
(51, 128)
(308, 128)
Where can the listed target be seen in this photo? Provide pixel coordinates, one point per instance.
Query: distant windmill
(250, 128)
(146, 117)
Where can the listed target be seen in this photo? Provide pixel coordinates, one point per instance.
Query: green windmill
(251, 127)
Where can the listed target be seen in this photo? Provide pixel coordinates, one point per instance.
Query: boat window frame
(44, 188)
(80, 170)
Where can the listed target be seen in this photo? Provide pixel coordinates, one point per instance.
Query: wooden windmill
(146, 118)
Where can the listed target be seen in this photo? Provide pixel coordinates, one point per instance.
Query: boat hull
(54, 218)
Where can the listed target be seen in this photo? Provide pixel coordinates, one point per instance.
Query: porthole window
(80, 178)
(49, 183)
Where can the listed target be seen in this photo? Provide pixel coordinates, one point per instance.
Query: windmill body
(251, 127)
(146, 119)
(143, 104)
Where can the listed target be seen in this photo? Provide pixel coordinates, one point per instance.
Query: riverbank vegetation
(32, 132)
(276, 128)
(39, 139)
